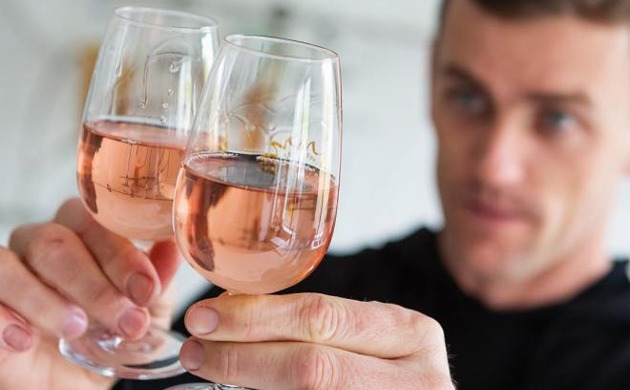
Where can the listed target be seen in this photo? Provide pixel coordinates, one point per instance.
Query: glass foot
(204, 386)
(155, 355)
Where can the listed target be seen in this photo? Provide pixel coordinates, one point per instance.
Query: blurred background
(48, 49)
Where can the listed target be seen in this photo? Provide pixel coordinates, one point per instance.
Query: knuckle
(100, 294)
(401, 318)
(421, 323)
(322, 318)
(48, 246)
(315, 368)
(252, 324)
(434, 332)
(424, 330)
(228, 363)
(437, 382)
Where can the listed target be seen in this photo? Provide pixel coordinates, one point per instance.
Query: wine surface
(253, 224)
(127, 173)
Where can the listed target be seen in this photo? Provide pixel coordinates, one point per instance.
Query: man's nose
(500, 156)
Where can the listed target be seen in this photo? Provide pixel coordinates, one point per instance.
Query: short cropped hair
(599, 11)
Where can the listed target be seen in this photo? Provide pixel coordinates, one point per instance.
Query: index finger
(371, 328)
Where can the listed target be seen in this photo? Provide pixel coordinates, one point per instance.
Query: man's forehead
(608, 12)
(467, 14)
(559, 52)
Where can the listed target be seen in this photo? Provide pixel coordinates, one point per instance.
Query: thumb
(165, 257)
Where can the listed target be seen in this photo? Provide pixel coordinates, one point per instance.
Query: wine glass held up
(150, 71)
(256, 200)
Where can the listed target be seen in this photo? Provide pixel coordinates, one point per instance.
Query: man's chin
(489, 259)
(486, 249)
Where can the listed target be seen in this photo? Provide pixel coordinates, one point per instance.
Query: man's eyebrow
(457, 72)
(544, 97)
(572, 98)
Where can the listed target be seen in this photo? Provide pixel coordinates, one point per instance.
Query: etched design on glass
(275, 127)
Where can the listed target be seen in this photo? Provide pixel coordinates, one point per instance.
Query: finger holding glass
(256, 200)
(150, 71)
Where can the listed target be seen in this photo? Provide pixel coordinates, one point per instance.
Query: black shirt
(583, 343)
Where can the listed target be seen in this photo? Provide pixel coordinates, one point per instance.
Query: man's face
(533, 125)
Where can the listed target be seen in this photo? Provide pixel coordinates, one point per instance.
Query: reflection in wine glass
(144, 92)
(256, 200)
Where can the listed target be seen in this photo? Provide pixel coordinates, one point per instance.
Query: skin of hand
(314, 341)
(55, 276)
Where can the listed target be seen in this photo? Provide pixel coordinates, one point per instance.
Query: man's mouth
(493, 213)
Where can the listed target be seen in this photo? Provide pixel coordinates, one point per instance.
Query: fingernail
(132, 322)
(202, 320)
(75, 325)
(191, 355)
(140, 288)
(17, 338)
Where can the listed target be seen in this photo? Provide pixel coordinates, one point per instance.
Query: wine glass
(144, 92)
(256, 200)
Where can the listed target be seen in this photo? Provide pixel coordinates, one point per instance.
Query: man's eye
(557, 120)
(468, 100)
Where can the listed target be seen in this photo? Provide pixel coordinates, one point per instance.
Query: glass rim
(328, 54)
(124, 13)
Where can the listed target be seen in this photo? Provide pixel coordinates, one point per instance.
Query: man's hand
(57, 275)
(313, 341)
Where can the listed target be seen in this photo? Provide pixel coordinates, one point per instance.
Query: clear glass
(256, 200)
(203, 386)
(145, 88)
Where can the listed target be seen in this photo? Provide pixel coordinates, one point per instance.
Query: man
(530, 102)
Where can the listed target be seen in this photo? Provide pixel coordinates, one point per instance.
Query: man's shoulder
(371, 272)
(606, 301)
(419, 242)
(409, 252)
(385, 273)
(587, 344)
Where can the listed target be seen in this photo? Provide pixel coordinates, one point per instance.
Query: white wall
(383, 51)
(387, 179)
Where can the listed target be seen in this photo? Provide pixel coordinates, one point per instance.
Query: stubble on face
(518, 202)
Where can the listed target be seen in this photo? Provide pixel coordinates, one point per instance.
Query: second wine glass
(256, 200)
(150, 71)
